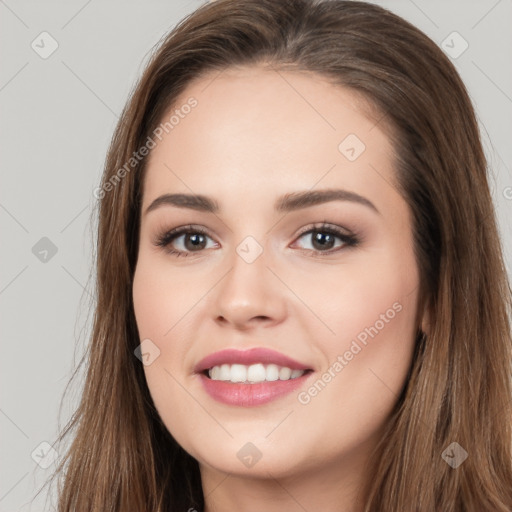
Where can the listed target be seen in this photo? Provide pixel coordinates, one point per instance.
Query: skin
(255, 135)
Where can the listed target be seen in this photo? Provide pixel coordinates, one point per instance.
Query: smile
(253, 373)
(247, 378)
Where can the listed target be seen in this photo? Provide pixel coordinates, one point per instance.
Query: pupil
(323, 240)
(196, 239)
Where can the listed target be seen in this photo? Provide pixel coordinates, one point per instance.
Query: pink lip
(247, 394)
(247, 357)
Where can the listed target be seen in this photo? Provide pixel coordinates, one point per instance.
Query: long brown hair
(122, 458)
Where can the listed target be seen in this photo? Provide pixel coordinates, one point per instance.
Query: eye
(323, 239)
(194, 239)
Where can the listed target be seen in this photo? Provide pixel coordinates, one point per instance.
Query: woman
(231, 365)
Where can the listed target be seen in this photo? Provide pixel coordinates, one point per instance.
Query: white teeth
(214, 373)
(253, 373)
(272, 372)
(238, 373)
(224, 373)
(285, 373)
(256, 373)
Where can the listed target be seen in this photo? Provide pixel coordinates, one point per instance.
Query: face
(269, 261)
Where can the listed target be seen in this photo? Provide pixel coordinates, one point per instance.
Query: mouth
(247, 378)
(253, 374)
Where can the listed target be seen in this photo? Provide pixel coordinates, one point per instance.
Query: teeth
(272, 373)
(238, 373)
(285, 373)
(253, 373)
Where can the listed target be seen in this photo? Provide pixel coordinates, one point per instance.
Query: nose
(250, 295)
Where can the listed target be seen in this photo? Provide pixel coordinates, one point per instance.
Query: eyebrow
(287, 203)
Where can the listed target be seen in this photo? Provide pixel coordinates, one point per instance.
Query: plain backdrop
(57, 116)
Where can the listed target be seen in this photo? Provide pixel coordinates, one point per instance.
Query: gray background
(57, 116)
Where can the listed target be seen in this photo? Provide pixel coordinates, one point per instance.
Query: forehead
(261, 130)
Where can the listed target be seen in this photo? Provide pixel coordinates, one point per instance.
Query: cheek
(162, 297)
(366, 371)
(373, 295)
(160, 312)
(151, 300)
(166, 301)
(373, 315)
(158, 307)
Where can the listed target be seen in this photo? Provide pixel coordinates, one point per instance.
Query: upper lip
(248, 357)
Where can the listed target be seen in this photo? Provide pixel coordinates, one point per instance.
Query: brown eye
(194, 241)
(323, 239)
(183, 241)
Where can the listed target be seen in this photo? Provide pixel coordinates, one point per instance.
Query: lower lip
(248, 395)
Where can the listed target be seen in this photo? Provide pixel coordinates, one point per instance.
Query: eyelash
(166, 238)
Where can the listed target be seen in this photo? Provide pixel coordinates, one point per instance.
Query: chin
(250, 458)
